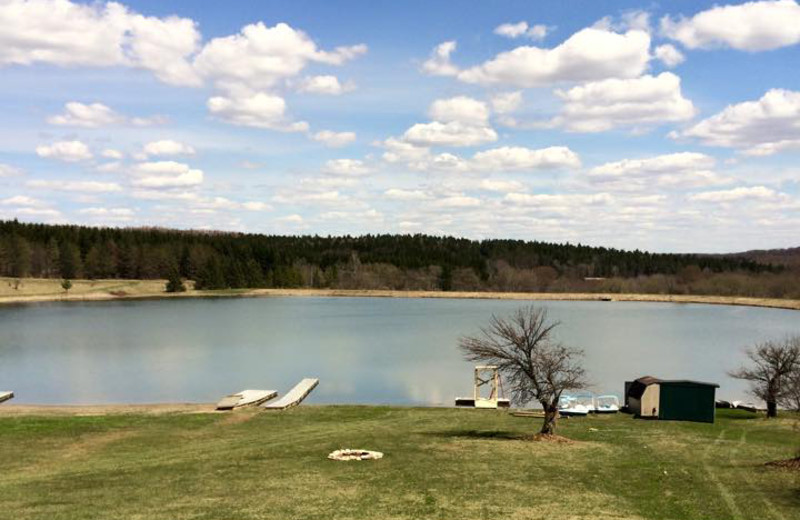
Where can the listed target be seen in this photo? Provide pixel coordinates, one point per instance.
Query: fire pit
(355, 455)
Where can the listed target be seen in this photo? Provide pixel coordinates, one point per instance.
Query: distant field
(439, 463)
(40, 289)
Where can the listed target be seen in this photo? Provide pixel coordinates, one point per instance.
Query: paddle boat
(606, 404)
(570, 406)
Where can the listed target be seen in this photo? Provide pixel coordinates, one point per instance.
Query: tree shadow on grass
(500, 435)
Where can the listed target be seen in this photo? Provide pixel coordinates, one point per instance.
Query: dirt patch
(792, 464)
(118, 294)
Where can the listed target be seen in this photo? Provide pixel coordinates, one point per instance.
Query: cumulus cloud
(325, 85)
(588, 55)
(611, 103)
(521, 29)
(517, 158)
(122, 214)
(75, 186)
(89, 116)
(334, 139)
(669, 55)
(260, 57)
(346, 167)
(763, 127)
(111, 153)
(460, 109)
(167, 147)
(751, 26)
(404, 194)
(453, 133)
(165, 174)
(506, 102)
(558, 202)
(677, 170)
(737, 194)
(260, 110)
(438, 64)
(68, 151)
(63, 33)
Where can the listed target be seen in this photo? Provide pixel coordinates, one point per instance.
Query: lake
(364, 350)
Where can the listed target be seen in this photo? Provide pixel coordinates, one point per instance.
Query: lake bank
(438, 463)
(45, 290)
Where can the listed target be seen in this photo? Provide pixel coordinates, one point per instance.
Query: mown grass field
(439, 463)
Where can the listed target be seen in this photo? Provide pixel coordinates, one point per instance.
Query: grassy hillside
(439, 463)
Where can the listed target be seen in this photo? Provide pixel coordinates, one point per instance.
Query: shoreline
(773, 303)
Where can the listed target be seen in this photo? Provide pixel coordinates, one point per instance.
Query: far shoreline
(103, 294)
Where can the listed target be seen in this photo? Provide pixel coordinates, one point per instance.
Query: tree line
(217, 260)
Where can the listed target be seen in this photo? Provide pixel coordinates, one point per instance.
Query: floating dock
(294, 396)
(246, 398)
(5, 395)
(502, 402)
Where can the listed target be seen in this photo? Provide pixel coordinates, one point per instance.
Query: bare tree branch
(534, 365)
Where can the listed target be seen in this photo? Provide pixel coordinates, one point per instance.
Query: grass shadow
(501, 435)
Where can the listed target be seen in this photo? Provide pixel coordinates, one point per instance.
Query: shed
(672, 400)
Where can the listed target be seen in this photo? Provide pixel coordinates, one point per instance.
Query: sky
(665, 126)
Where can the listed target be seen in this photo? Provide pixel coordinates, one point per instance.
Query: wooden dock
(6, 395)
(246, 398)
(294, 396)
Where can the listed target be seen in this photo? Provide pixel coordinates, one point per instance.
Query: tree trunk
(772, 409)
(550, 416)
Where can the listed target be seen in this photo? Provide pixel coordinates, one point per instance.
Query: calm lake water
(364, 350)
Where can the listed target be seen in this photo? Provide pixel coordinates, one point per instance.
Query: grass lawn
(439, 463)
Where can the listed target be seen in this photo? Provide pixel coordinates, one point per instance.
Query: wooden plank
(6, 395)
(294, 396)
(246, 398)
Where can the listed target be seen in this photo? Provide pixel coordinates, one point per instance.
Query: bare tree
(773, 364)
(534, 365)
(791, 397)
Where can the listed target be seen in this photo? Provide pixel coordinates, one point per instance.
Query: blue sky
(662, 126)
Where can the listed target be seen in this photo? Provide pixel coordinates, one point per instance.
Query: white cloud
(404, 194)
(457, 201)
(6, 170)
(69, 151)
(515, 30)
(63, 33)
(439, 62)
(461, 109)
(88, 116)
(22, 200)
(291, 219)
(517, 158)
(506, 102)
(736, 194)
(260, 57)
(677, 170)
(453, 133)
(110, 153)
(167, 147)
(79, 186)
(114, 213)
(761, 127)
(165, 174)
(334, 139)
(669, 55)
(588, 55)
(325, 85)
(610, 103)
(751, 26)
(559, 202)
(500, 185)
(346, 167)
(260, 110)
(399, 151)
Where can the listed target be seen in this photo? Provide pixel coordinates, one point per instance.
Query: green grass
(439, 463)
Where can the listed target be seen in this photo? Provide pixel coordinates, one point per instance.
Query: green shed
(672, 400)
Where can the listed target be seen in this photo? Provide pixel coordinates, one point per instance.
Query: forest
(222, 260)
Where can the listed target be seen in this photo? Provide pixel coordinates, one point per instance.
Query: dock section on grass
(246, 398)
(294, 396)
(5, 395)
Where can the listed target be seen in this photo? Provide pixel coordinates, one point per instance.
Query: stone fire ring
(355, 455)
